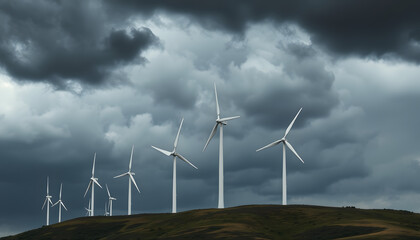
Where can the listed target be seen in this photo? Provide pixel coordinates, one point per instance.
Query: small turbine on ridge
(92, 183)
(130, 179)
(60, 203)
(175, 155)
(285, 143)
(110, 199)
(48, 202)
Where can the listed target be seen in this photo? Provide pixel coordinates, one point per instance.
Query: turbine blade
(293, 150)
(55, 204)
(43, 205)
(87, 189)
(217, 102)
(177, 135)
(97, 183)
(291, 124)
(49, 200)
(48, 183)
(134, 181)
(269, 145)
(121, 175)
(211, 135)
(185, 160)
(228, 118)
(61, 188)
(167, 153)
(93, 166)
(106, 185)
(62, 204)
(131, 159)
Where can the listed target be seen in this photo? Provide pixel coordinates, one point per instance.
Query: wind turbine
(106, 211)
(48, 202)
(175, 155)
(110, 199)
(60, 203)
(130, 179)
(88, 210)
(219, 122)
(92, 183)
(285, 143)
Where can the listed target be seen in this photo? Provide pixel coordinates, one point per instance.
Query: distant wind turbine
(60, 203)
(110, 199)
(92, 183)
(285, 143)
(130, 179)
(88, 210)
(106, 210)
(219, 122)
(48, 202)
(175, 155)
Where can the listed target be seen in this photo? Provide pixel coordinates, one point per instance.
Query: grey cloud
(305, 82)
(58, 41)
(369, 29)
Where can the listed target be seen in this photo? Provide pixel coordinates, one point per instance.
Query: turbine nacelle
(47, 201)
(60, 203)
(221, 122)
(109, 194)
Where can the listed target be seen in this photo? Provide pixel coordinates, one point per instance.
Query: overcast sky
(78, 77)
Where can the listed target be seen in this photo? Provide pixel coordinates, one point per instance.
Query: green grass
(244, 222)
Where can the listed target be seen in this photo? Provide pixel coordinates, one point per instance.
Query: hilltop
(244, 222)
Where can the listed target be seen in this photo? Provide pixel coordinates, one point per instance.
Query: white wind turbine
(92, 183)
(106, 210)
(175, 155)
(88, 210)
(130, 179)
(60, 203)
(219, 122)
(48, 202)
(110, 199)
(285, 143)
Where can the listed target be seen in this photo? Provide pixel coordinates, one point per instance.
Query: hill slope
(244, 222)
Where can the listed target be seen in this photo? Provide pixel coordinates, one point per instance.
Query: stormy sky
(79, 77)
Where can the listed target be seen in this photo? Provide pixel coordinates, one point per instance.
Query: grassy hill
(244, 222)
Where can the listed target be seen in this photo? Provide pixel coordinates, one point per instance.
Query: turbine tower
(175, 155)
(110, 199)
(60, 203)
(92, 183)
(130, 179)
(285, 143)
(219, 122)
(48, 202)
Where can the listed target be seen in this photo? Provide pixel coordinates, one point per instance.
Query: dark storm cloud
(54, 41)
(305, 82)
(365, 28)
